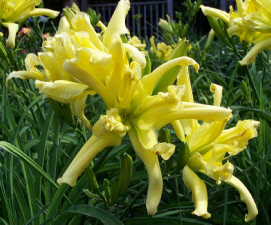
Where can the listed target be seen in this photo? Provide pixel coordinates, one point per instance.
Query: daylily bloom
(210, 145)
(136, 42)
(162, 50)
(77, 57)
(12, 11)
(251, 22)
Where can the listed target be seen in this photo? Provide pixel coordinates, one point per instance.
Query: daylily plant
(251, 22)
(210, 146)
(12, 11)
(162, 50)
(77, 61)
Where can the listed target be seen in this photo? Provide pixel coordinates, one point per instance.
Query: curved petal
(81, 22)
(239, 135)
(117, 22)
(217, 96)
(135, 54)
(245, 197)
(43, 12)
(206, 134)
(61, 90)
(167, 112)
(199, 192)
(149, 80)
(78, 69)
(25, 75)
(208, 11)
(259, 46)
(12, 30)
(151, 163)
(78, 105)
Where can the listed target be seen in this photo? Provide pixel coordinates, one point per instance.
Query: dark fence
(150, 13)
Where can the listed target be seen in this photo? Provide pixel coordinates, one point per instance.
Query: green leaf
(87, 210)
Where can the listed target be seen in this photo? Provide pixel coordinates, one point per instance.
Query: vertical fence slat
(156, 17)
(103, 10)
(133, 13)
(84, 5)
(151, 20)
(170, 8)
(139, 22)
(145, 20)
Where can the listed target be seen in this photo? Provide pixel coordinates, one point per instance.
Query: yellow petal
(206, 134)
(22, 9)
(25, 75)
(61, 90)
(213, 169)
(101, 25)
(117, 22)
(177, 126)
(199, 192)
(81, 22)
(239, 135)
(259, 46)
(208, 11)
(151, 163)
(78, 68)
(135, 54)
(43, 12)
(12, 30)
(109, 126)
(217, 96)
(159, 116)
(78, 105)
(149, 80)
(164, 149)
(245, 197)
(189, 125)
(128, 84)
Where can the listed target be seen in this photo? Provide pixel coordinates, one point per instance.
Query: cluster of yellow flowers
(18, 11)
(251, 22)
(78, 62)
(162, 50)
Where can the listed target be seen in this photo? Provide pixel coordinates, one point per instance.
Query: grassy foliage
(37, 146)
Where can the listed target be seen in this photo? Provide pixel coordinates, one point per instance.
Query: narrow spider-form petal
(150, 160)
(135, 54)
(78, 105)
(12, 30)
(217, 96)
(199, 192)
(117, 23)
(208, 11)
(259, 46)
(245, 197)
(43, 12)
(149, 80)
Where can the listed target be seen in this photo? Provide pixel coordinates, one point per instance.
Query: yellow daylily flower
(251, 22)
(77, 56)
(162, 50)
(210, 145)
(12, 11)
